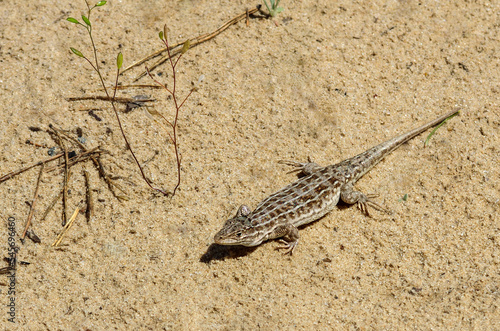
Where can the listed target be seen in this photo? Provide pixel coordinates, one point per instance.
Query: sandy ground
(326, 80)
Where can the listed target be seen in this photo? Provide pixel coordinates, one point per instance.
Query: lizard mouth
(234, 239)
(225, 239)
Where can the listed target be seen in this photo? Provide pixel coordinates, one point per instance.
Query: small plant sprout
(88, 27)
(273, 9)
(177, 103)
(95, 65)
(404, 198)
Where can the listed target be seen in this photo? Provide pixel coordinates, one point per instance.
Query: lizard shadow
(220, 252)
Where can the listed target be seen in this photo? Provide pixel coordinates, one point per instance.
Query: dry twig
(33, 203)
(100, 168)
(17, 172)
(106, 98)
(66, 174)
(66, 227)
(90, 204)
(77, 158)
(51, 205)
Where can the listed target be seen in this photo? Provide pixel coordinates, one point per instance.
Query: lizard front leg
(290, 236)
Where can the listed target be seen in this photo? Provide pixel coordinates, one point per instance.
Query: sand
(325, 80)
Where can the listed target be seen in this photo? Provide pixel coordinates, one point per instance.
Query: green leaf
(268, 9)
(185, 47)
(76, 52)
(404, 198)
(161, 35)
(273, 7)
(86, 20)
(119, 60)
(72, 20)
(100, 3)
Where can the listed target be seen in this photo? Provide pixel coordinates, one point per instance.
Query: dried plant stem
(65, 190)
(99, 166)
(90, 204)
(66, 175)
(78, 158)
(139, 86)
(126, 140)
(178, 105)
(33, 203)
(17, 172)
(107, 98)
(51, 205)
(66, 227)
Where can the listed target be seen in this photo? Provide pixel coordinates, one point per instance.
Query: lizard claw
(289, 246)
(366, 202)
(297, 165)
(304, 167)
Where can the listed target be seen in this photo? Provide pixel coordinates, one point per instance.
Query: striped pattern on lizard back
(302, 202)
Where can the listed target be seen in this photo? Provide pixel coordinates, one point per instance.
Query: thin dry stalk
(98, 164)
(66, 175)
(125, 137)
(148, 86)
(107, 98)
(90, 205)
(17, 172)
(76, 159)
(51, 205)
(173, 137)
(66, 227)
(33, 203)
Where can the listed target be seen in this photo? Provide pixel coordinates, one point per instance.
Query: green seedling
(273, 9)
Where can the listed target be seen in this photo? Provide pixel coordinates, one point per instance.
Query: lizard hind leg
(363, 201)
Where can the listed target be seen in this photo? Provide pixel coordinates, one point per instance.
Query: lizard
(311, 197)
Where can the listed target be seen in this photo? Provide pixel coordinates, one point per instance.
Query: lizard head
(237, 230)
